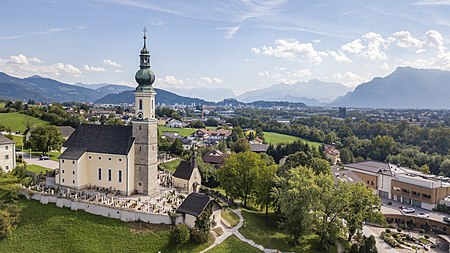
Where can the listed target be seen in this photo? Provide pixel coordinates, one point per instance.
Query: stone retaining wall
(106, 211)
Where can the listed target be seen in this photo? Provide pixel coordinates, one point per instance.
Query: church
(118, 158)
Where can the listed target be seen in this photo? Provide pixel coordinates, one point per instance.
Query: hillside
(405, 88)
(162, 97)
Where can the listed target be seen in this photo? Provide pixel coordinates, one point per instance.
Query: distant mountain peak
(406, 87)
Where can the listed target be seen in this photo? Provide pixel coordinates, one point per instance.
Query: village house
(259, 148)
(173, 123)
(7, 154)
(215, 157)
(212, 134)
(195, 205)
(187, 176)
(332, 154)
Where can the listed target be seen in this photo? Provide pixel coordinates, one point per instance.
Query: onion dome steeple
(144, 76)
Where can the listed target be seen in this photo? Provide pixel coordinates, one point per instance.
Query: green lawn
(36, 168)
(47, 228)
(232, 244)
(266, 233)
(18, 140)
(170, 166)
(18, 122)
(276, 138)
(230, 216)
(180, 131)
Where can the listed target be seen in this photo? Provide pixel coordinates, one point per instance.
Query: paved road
(35, 160)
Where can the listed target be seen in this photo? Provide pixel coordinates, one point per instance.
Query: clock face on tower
(140, 116)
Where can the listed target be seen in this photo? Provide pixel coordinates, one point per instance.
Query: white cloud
(339, 56)
(375, 46)
(302, 73)
(354, 47)
(23, 66)
(231, 31)
(435, 39)
(111, 63)
(290, 49)
(93, 69)
(22, 59)
(404, 39)
(118, 71)
(348, 78)
(169, 81)
(210, 80)
(432, 2)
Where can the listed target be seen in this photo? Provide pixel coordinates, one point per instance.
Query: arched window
(140, 104)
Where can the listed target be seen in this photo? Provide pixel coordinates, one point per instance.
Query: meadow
(18, 122)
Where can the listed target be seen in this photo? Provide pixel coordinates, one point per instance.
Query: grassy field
(276, 138)
(231, 217)
(18, 122)
(232, 244)
(36, 168)
(170, 166)
(47, 228)
(180, 131)
(266, 233)
(18, 140)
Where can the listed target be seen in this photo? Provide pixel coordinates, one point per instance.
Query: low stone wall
(106, 211)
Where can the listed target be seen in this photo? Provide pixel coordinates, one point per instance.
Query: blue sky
(237, 44)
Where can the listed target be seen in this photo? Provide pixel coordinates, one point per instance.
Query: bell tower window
(140, 104)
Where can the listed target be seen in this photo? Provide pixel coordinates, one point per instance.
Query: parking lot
(395, 209)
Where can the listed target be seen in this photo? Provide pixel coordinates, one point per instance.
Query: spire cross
(145, 32)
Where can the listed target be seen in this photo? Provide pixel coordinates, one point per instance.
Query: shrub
(27, 181)
(395, 236)
(388, 230)
(426, 236)
(421, 231)
(402, 226)
(199, 236)
(181, 233)
(399, 230)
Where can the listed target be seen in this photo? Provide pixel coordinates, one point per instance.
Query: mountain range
(313, 92)
(404, 88)
(208, 94)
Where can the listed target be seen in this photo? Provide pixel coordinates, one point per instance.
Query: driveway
(35, 160)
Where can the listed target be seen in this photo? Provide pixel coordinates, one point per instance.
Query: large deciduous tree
(46, 138)
(239, 174)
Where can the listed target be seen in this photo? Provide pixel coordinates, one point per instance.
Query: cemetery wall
(106, 211)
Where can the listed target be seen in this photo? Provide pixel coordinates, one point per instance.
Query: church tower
(145, 131)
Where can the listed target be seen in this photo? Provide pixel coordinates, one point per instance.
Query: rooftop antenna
(145, 32)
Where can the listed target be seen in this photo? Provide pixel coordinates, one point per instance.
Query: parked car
(446, 219)
(44, 157)
(389, 203)
(406, 209)
(423, 215)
